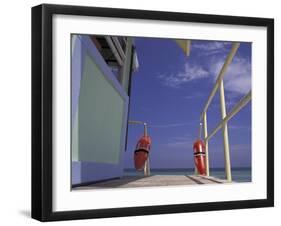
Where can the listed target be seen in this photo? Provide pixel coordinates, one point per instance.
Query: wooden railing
(225, 117)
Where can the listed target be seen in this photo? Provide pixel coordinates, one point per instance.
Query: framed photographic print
(145, 112)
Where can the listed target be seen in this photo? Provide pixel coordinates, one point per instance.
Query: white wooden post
(145, 129)
(146, 165)
(146, 168)
(206, 144)
(195, 170)
(225, 135)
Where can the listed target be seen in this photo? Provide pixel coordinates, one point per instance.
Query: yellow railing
(225, 117)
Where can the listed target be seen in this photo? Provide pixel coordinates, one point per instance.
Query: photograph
(141, 112)
(151, 111)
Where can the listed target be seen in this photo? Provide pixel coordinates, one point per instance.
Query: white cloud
(238, 75)
(210, 48)
(190, 72)
(237, 79)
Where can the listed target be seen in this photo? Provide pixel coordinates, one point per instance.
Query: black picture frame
(42, 111)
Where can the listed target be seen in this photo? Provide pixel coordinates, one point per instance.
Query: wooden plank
(155, 180)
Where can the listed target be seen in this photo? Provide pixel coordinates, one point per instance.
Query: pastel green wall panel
(100, 117)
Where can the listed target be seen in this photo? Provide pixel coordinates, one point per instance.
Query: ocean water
(238, 174)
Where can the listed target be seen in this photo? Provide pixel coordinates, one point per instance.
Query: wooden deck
(150, 181)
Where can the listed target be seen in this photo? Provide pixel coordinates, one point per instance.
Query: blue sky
(169, 92)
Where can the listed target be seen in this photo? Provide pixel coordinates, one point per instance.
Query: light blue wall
(99, 116)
